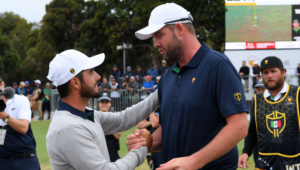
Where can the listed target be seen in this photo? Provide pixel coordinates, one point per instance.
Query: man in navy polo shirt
(202, 105)
(18, 150)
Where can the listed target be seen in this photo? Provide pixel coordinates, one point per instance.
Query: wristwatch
(6, 119)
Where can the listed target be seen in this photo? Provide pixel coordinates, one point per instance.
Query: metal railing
(120, 99)
(124, 98)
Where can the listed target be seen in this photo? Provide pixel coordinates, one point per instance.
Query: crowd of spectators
(38, 96)
(132, 86)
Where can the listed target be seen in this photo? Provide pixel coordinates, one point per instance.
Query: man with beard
(76, 136)
(275, 121)
(203, 107)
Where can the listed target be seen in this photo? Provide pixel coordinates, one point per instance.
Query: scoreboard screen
(262, 24)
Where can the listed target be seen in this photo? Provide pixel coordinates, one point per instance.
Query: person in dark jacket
(115, 73)
(128, 73)
(254, 73)
(244, 73)
(139, 74)
(112, 141)
(163, 67)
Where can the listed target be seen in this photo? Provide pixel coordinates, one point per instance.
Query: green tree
(61, 24)
(8, 58)
(209, 20)
(14, 30)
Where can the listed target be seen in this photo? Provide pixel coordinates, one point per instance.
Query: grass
(40, 129)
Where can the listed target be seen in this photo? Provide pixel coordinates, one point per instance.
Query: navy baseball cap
(271, 61)
(114, 65)
(104, 97)
(128, 67)
(260, 84)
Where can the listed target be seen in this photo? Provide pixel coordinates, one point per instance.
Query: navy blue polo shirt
(88, 114)
(194, 102)
(16, 142)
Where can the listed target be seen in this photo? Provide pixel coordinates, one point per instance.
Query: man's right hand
(149, 140)
(243, 161)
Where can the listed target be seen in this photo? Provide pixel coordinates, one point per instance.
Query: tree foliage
(95, 27)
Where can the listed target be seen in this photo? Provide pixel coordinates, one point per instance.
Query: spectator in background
(115, 73)
(112, 140)
(15, 86)
(132, 87)
(163, 67)
(258, 78)
(148, 84)
(297, 73)
(29, 92)
(254, 72)
(99, 85)
(128, 73)
(28, 89)
(139, 74)
(53, 87)
(244, 73)
(124, 84)
(115, 94)
(157, 81)
(37, 98)
(152, 72)
(21, 90)
(46, 100)
(105, 85)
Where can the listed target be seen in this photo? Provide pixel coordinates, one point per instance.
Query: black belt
(29, 154)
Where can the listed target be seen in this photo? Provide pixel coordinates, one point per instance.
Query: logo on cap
(266, 61)
(238, 96)
(72, 71)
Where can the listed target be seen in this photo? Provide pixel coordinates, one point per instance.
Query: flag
(276, 124)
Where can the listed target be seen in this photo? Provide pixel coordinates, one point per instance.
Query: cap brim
(104, 98)
(147, 32)
(94, 61)
(262, 86)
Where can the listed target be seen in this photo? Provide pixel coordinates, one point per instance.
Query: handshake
(139, 138)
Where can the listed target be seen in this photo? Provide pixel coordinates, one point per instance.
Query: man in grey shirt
(75, 139)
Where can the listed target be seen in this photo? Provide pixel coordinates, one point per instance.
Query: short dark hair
(188, 26)
(64, 89)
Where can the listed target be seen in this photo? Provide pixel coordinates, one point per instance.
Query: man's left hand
(183, 163)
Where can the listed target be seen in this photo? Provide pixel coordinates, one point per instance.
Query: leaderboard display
(262, 24)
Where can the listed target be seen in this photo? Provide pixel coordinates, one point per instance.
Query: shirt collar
(283, 90)
(74, 111)
(194, 62)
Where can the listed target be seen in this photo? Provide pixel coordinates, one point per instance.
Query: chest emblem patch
(289, 101)
(238, 96)
(276, 122)
(193, 80)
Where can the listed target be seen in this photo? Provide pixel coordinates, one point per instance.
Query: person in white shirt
(18, 150)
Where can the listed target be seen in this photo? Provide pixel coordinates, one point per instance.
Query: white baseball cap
(255, 62)
(38, 81)
(69, 63)
(169, 13)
